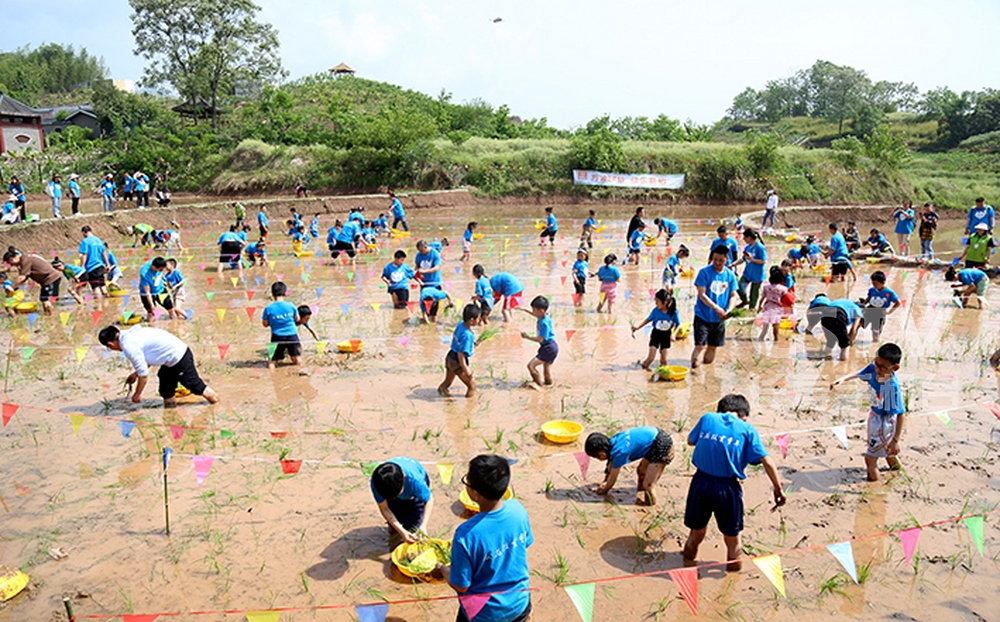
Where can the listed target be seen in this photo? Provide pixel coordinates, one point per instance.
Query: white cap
(770, 191)
(982, 225)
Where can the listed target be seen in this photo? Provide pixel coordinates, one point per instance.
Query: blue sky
(572, 61)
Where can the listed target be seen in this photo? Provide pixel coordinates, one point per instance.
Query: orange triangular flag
(291, 466)
(96, 315)
(249, 295)
(211, 280)
(686, 580)
(8, 412)
(223, 349)
(569, 334)
(250, 312)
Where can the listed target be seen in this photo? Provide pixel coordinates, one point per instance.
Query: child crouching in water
(674, 268)
(463, 343)
(664, 319)
(651, 446)
(772, 307)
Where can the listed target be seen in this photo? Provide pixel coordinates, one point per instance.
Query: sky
(573, 61)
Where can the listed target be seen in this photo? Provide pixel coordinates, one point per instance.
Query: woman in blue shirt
(905, 224)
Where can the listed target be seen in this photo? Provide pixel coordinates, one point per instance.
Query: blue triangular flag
(257, 280)
(125, 299)
(845, 555)
(628, 294)
(166, 456)
(127, 427)
(135, 283)
(319, 292)
(345, 308)
(296, 263)
(512, 461)
(31, 319)
(458, 269)
(189, 313)
(372, 613)
(69, 254)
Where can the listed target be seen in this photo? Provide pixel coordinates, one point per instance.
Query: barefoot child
(152, 290)
(75, 277)
(551, 227)
(548, 349)
(283, 318)
(467, 241)
(463, 342)
(970, 281)
(887, 416)
(505, 285)
(430, 303)
(174, 282)
(608, 275)
(880, 303)
(651, 446)
(305, 314)
(674, 268)
(580, 271)
(483, 294)
(771, 308)
(635, 242)
(402, 491)
(396, 275)
(589, 225)
(664, 319)
(840, 320)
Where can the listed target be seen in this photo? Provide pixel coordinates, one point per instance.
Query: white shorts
(466, 246)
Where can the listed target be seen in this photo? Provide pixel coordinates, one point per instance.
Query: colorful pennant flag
(250, 294)
(320, 347)
(569, 334)
(686, 580)
(202, 465)
(177, 432)
(844, 553)
(81, 351)
(210, 295)
(583, 598)
(96, 316)
(32, 317)
(271, 349)
(944, 418)
(234, 280)
(473, 604)
(319, 292)
(76, 420)
(770, 565)
(378, 305)
(223, 349)
(909, 538)
(250, 311)
(263, 616)
(8, 412)
(188, 313)
(64, 317)
(127, 427)
(403, 341)
(782, 440)
(583, 460)
(372, 613)
(445, 471)
(140, 617)
(367, 468)
(290, 467)
(975, 526)
(221, 313)
(841, 433)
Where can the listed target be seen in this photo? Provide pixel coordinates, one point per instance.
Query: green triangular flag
(305, 277)
(583, 597)
(126, 315)
(368, 468)
(537, 281)
(26, 353)
(210, 295)
(975, 525)
(226, 434)
(271, 347)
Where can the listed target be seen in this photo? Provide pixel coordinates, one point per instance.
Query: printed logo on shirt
(718, 287)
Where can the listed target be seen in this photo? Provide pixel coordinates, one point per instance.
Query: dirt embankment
(811, 217)
(65, 233)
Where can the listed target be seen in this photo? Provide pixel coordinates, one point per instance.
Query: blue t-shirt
(725, 445)
(580, 269)
(262, 219)
(280, 316)
(428, 261)
(94, 249)
(173, 278)
(838, 246)
(609, 274)
(631, 445)
(242, 235)
(816, 249)
(228, 236)
(551, 223)
(416, 483)
(490, 555)
(970, 276)
(878, 241)
(978, 215)
(314, 227)
(150, 279)
(397, 209)
(673, 267)
(432, 293)
(356, 217)
(668, 225)
(253, 250)
(905, 222)
(74, 189)
(464, 340)
(882, 299)
(467, 236)
(719, 288)
(506, 284)
(108, 188)
(661, 320)
(795, 253)
(128, 183)
(635, 241)
(348, 232)
(730, 243)
(789, 281)
(754, 272)
(484, 290)
(545, 330)
(590, 222)
(8, 207)
(55, 190)
(399, 276)
(72, 271)
(885, 398)
(849, 307)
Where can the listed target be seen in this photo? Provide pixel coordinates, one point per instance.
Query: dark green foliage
(27, 75)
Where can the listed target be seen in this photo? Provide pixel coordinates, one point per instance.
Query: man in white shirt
(144, 347)
(771, 209)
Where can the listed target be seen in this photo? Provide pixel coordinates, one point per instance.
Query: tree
(213, 49)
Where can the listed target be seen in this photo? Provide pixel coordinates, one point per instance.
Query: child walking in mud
(664, 319)
(887, 416)
(548, 349)
(463, 343)
(608, 275)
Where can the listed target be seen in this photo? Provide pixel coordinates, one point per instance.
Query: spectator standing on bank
(107, 189)
(55, 192)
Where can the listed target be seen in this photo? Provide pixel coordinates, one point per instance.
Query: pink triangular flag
(223, 349)
(569, 334)
(8, 412)
(563, 279)
(403, 341)
(250, 312)
(994, 409)
(686, 580)
(473, 604)
(140, 617)
(783, 443)
(202, 465)
(584, 461)
(909, 538)
(96, 315)
(177, 432)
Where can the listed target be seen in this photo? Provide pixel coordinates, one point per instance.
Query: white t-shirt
(144, 347)
(772, 202)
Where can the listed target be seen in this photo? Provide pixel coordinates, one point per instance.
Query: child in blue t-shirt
(581, 269)
(880, 303)
(305, 314)
(257, 252)
(463, 343)
(635, 243)
(674, 268)
(483, 294)
(551, 227)
(283, 318)
(589, 226)
(548, 349)
(396, 276)
(970, 281)
(402, 490)
(608, 275)
(430, 301)
(878, 244)
(314, 227)
(72, 273)
(467, 241)
(887, 416)
(174, 281)
(664, 319)
(651, 446)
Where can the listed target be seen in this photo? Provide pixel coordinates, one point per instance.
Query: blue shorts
(722, 496)
(409, 513)
(547, 352)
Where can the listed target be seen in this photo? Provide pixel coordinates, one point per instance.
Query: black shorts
(873, 317)
(659, 339)
(127, 196)
(183, 373)
(840, 268)
(401, 296)
(96, 277)
(484, 309)
(342, 247)
(722, 496)
(289, 344)
(548, 233)
(453, 364)
(430, 306)
(547, 352)
(164, 300)
(709, 333)
(662, 449)
(580, 285)
(230, 252)
(974, 264)
(409, 513)
(835, 327)
(263, 230)
(50, 291)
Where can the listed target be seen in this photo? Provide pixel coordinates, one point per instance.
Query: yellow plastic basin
(26, 307)
(672, 372)
(135, 318)
(683, 331)
(416, 550)
(790, 237)
(350, 346)
(650, 241)
(472, 506)
(786, 324)
(397, 233)
(12, 581)
(561, 431)
(304, 253)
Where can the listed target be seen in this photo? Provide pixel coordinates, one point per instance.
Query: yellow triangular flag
(770, 565)
(235, 280)
(221, 313)
(81, 352)
(64, 317)
(376, 306)
(263, 616)
(85, 471)
(445, 470)
(77, 420)
(458, 304)
(320, 347)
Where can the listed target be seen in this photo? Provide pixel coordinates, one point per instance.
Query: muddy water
(252, 537)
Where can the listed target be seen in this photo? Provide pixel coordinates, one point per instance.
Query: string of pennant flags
(581, 595)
